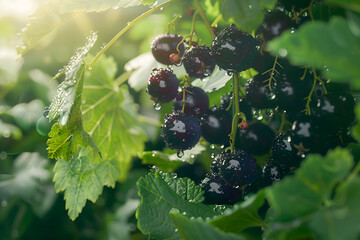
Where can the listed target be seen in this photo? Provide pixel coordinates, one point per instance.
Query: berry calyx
(162, 85)
(243, 125)
(166, 44)
(180, 131)
(175, 58)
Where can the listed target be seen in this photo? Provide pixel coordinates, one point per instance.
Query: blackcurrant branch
(308, 98)
(125, 29)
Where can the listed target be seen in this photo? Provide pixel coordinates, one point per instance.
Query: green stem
(125, 29)
(206, 21)
(217, 20)
(237, 114)
(193, 27)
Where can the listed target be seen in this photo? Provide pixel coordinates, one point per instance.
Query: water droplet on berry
(157, 106)
(197, 110)
(180, 153)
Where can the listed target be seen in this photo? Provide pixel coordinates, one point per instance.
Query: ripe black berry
(216, 126)
(217, 191)
(181, 131)
(196, 101)
(273, 171)
(162, 85)
(258, 94)
(234, 50)
(238, 168)
(166, 44)
(199, 62)
(284, 151)
(257, 139)
(275, 22)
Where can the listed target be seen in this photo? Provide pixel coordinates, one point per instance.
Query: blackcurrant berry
(196, 101)
(166, 44)
(199, 62)
(216, 126)
(180, 131)
(162, 85)
(217, 191)
(234, 50)
(257, 139)
(238, 168)
(258, 93)
(273, 171)
(275, 22)
(284, 151)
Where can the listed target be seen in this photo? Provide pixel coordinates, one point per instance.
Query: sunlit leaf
(82, 180)
(109, 115)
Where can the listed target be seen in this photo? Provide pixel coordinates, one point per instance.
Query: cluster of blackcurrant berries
(307, 113)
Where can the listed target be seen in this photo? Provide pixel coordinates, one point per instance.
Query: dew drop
(229, 73)
(212, 146)
(90, 68)
(192, 156)
(180, 153)
(176, 230)
(157, 106)
(197, 110)
(46, 112)
(161, 8)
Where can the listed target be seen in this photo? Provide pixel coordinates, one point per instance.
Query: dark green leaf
(322, 44)
(81, 179)
(311, 185)
(241, 216)
(246, 14)
(109, 115)
(198, 229)
(158, 198)
(184, 187)
(340, 221)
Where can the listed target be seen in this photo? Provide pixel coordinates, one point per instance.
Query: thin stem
(150, 121)
(217, 20)
(193, 27)
(237, 114)
(172, 23)
(125, 29)
(206, 21)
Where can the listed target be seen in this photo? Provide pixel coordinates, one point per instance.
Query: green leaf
(353, 5)
(169, 162)
(158, 198)
(81, 180)
(65, 142)
(241, 216)
(340, 221)
(322, 44)
(246, 14)
(311, 185)
(184, 187)
(356, 128)
(66, 105)
(198, 229)
(46, 19)
(102, 5)
(109, 115)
